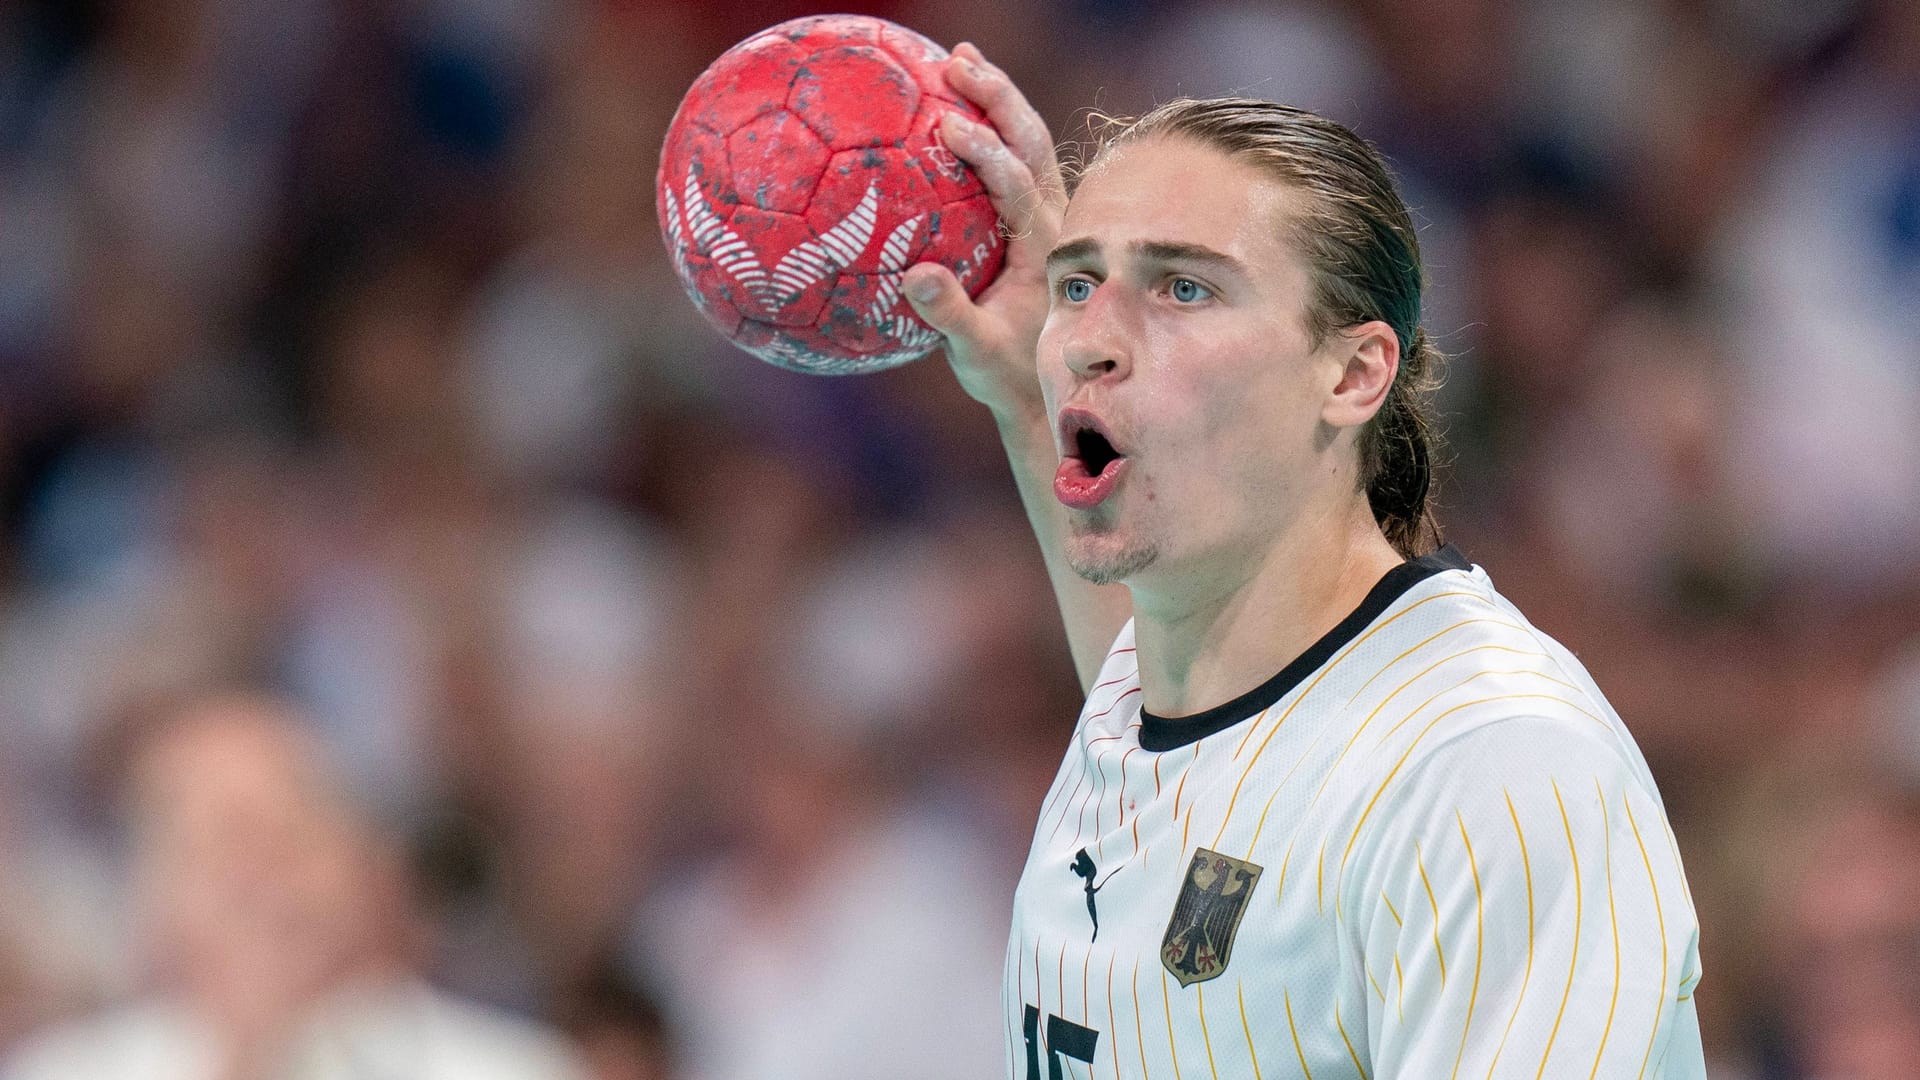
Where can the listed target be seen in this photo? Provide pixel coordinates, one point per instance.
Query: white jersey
(1427, 848)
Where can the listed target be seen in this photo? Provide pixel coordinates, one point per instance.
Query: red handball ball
(803, 174)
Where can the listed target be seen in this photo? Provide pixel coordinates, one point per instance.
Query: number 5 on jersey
(1064, 1039)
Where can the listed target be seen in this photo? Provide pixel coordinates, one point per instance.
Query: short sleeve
(1520, 910)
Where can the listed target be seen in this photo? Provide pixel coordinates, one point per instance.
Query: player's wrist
(1023, 430)
(1012, 398)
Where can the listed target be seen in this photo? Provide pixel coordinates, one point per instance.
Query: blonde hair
(1358, 238)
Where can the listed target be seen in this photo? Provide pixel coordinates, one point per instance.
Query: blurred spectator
(620, 1031)
(274, 926)
(1822, 260)
(840, 936)
(841, 923)
(1848, 955)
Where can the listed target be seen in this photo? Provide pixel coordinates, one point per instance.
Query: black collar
(1172, 732)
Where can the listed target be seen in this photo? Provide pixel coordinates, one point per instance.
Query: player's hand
(991, 339)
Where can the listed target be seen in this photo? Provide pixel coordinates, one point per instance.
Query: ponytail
(1397, 453)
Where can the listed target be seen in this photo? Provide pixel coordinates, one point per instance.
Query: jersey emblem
(1213, 897)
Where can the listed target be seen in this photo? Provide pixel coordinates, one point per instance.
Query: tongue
(1081, 489)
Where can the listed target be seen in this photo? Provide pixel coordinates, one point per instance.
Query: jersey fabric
(1426, 848)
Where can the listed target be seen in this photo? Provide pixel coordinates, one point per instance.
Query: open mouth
(1091, 465)
(1095, 450)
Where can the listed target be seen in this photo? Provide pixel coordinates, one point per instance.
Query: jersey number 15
(1064, 1039)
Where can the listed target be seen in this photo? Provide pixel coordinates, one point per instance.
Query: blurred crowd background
(427, 650)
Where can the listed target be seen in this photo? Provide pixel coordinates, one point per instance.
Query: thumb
(938, 298)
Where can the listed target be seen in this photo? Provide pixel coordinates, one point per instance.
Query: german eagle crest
(1212, 899)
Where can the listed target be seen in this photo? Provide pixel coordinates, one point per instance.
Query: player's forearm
(1093, 614)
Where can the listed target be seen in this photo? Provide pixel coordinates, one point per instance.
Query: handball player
(1333, 806)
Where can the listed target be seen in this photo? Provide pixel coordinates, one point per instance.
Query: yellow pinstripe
(1139, 1029)
(1320, 879)
(1416, 677)
(1430, 639)
(1420, 861)
(1325, 670)
(1166, 1003)
(1277, 789)
(1247, 1029)
(1660, 1003)
(1575, 960)
(1673, 845)
(1408, 753)
(1343, 1038)
(1526, 977)
(1479, 943)
(1179, 790)
(1086, 999)
(1200, 996)
(1255, 726)
(1382, 741)
(1039, 999)
(1377, 992)
(1348, 651)
(1341, 756)
(1287, 998)
(1393, 911)
(1606, 834)
(1399, 988)
(1113, 1026)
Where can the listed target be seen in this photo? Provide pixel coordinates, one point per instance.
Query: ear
(1369, 357)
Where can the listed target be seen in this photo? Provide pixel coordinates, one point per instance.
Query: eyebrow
(1073, 251)
(1165, 251)
(1161, 251)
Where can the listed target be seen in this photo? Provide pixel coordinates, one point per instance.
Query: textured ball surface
(803, 174)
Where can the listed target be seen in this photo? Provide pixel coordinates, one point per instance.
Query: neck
(1211, 634)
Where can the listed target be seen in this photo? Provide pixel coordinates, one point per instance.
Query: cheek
(1054, 377)
(1241, 437)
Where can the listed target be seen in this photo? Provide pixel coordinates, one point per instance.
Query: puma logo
(1083, 867)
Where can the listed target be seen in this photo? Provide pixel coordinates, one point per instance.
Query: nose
(1097, 343)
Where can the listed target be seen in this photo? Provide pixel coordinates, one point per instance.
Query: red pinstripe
(1047, 807)
(1115, 705)
(1093, 799)
(1063, 805)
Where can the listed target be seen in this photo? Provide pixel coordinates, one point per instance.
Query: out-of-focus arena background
(695, 714)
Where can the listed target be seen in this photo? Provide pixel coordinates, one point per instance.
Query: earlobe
(1370, 358)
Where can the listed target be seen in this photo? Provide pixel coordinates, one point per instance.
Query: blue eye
(1188, 291)
(1076, 289)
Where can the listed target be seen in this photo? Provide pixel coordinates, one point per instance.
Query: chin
(1107, 559)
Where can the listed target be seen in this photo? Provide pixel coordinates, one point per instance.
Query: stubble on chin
(1104, 559)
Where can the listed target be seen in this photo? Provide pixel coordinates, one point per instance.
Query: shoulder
(1459, 672)
(1528, 773)
(1439, 608)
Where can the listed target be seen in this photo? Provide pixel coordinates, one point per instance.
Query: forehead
(1164, 189)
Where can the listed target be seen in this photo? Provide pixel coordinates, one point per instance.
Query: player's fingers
(1031, 215)
(1017, 121)
(938, 298)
